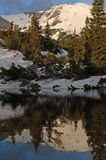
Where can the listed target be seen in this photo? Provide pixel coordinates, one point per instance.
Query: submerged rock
(35, 87)
(56, 86)
(72, 88)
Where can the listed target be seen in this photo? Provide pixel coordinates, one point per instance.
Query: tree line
(31, 41)
(87, 51)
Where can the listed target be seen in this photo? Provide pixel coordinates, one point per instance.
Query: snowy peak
(66, 17)
(62, 18)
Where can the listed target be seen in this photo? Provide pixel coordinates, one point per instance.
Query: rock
(87, 87)
(56, 86)
(72, 88)
(35, 87)
(56, 89)
(94, 87)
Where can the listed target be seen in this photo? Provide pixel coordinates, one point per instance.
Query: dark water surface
(52, 128)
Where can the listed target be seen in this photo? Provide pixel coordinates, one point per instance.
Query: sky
(72, 1)
(16, 6)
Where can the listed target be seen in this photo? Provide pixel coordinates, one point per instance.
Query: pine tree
(12, 37)
(25, 44)
(47, 32)
(9, 37)
(86, 49)
(48, 41)
(76, 53)
(17, 38)
(35, 36)
(97, 35)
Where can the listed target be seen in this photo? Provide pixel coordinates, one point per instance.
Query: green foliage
(12, 37)
(2, 34)
(14, 72)
(88, 51)
(62, 60)
(96, 35)
(17, 72)
(35, 36)
(9, 38)
(49, 58)
(47, 40)
(48, 44)
(37, 58)
(28, 42)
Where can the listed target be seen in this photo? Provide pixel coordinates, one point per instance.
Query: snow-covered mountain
(66, 17)
(21, 19)
(62, 18)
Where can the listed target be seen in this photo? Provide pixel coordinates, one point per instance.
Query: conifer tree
(12, 37)
(48, 41)
(35, 36)
(97, 35)
(86, 49)
(47, 31)
(9, 37)
(25, 44)
(93, 37)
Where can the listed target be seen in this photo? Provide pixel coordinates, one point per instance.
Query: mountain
(4, 24)
(62, 18)
(21, 19)
(66, 17)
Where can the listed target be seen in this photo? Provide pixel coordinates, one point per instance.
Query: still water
(52, 128)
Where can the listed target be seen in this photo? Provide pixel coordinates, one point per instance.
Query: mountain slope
(4, 24)
(62, 18)
(21, 19)
(66, 17)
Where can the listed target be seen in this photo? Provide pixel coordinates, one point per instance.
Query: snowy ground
(47, 86)
(65, 83)
(60, 90)
(7, 57)
(11, 86)
(63, 53)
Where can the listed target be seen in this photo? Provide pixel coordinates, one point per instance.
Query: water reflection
(52, 128)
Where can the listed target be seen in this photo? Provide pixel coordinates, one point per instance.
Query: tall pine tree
(86, 49)
(48, 42)
(97, 35)
(35, 36)
(9, 37)
(12, 37)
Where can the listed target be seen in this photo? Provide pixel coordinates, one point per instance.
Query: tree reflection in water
(44, 115)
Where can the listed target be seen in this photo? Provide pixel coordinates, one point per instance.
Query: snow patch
(7, 112)
(8, 57)
(63, 53)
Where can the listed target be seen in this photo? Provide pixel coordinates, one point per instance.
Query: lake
(52, 127)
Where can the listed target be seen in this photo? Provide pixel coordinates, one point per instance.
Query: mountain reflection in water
(52, 128)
